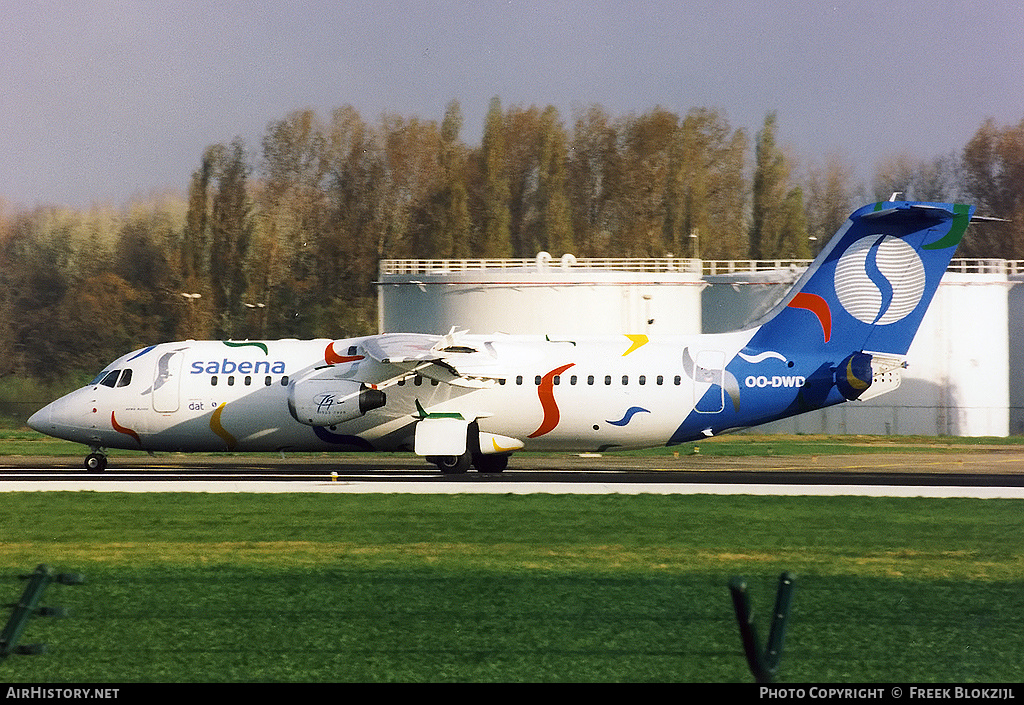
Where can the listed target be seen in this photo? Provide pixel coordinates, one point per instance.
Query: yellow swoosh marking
(855, 381)
(499, 449)
(638, 342)
(219, 430)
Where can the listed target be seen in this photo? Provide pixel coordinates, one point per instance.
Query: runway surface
(995, 473)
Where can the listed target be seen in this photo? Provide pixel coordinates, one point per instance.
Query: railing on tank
(541, 263)
(655, 265)
(732, 266)
(987, 266)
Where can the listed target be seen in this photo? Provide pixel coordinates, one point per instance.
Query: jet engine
(328, 402)
(854, 375)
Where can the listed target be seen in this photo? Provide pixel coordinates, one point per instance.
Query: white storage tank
(542, 296)
(741, 292)
(1015, 326)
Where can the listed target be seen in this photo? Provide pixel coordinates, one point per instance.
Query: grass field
(247, 588)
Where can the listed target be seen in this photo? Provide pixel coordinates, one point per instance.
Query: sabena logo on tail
(879, 279)
(871, 285)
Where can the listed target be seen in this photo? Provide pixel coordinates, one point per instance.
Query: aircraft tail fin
(871, 285)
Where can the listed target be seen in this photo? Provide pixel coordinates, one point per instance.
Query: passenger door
(167, 382)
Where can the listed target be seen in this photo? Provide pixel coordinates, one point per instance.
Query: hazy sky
(104, 100)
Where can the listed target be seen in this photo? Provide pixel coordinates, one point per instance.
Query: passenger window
(607, 379)
(284, 381)
(678, 380)
(660, 380)
(625, 380)
(519, 379)
(248, 380)
(590, 379)
(213, 381)
(572, 380)
(536, 380)
(126, 379)
(643, 379)
(111, 379)
(268, 381)
(231, 381)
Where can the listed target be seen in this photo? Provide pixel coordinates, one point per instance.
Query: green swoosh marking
(956, 231)
(424, 414)
(261, 346)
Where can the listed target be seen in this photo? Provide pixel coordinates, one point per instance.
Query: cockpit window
(98, 378)
(126, 379)
(111, 379)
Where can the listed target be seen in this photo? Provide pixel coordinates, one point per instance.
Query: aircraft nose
(58, 418)
(67, 418)
(40, 421)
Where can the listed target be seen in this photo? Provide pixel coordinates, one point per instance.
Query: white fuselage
(573, 394)
(840, 335)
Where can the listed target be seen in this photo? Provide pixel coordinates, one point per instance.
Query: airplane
(459, 400)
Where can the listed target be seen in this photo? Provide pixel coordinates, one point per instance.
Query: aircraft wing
(399, 348)
(445, 358)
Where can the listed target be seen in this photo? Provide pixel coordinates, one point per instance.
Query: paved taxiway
(997, 472)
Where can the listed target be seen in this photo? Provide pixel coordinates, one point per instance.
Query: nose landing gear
(96, 461)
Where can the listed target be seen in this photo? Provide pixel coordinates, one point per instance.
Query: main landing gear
(96, 461)
(459, 464)
(483, 462)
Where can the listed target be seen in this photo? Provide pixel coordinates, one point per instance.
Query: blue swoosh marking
(630, 413)
(338, 439)
(140, 353)
(880, 280)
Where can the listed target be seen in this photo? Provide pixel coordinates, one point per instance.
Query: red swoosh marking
(818, 306)
(333, 358)
(546, 393)
(126, 431)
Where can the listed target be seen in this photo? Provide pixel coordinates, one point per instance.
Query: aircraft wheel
(491, 463)
(453, 464)
(97, 462)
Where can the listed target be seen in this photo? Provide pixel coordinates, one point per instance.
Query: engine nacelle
(328, 402)
(854, 375)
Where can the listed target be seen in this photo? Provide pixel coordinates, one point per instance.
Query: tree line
(283, 239)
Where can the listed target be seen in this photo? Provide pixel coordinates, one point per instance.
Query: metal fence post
(764, 664)
(38, 581)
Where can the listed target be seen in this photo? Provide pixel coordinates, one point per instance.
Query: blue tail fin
(863, 298)
(870, 287)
